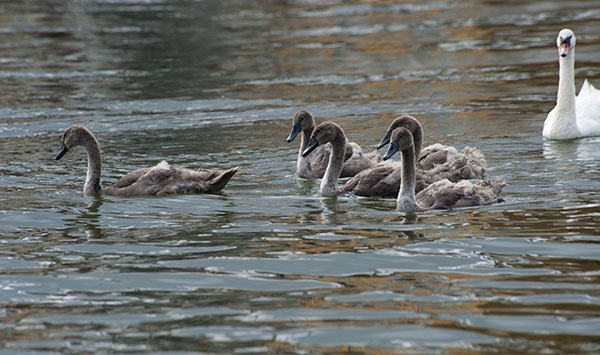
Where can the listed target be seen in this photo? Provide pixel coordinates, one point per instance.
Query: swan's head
(73, 136)
(302, 121)
(565, 42)
(406, 121)
(401, 139)
(325, 133)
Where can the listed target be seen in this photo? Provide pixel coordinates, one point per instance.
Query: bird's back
(164, 179)
(587, 110)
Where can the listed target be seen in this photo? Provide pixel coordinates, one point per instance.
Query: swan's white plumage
(587, 106)
(573, 116)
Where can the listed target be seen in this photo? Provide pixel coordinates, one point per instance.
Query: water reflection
(90, 217)
(306, 186)
(333, 213)
(584, 149)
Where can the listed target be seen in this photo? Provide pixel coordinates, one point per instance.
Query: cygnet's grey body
(162, 179)
(442, 194)
(434, 163)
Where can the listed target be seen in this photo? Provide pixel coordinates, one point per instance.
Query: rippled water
(268, 265)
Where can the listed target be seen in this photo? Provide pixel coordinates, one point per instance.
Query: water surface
(268, 265)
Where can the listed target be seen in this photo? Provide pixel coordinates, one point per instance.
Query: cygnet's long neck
(418, 139)
(302, 162)
(406, 196)
(92, 182)
(334, 167)
(565, 100)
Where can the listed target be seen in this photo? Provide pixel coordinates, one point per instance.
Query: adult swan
(572, 117)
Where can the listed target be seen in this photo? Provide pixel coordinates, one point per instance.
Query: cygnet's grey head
(406, 121)
(302, 121)
(401, 139)
(325, 133)
(73, 136)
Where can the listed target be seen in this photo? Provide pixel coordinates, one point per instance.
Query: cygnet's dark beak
(385, 140)
(393, 148)
(63, 151)
(294, 132)
(312, 145)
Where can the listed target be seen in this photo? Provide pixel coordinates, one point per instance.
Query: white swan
(442, 194)
(572, 117)
(161, 179)
(315, 165)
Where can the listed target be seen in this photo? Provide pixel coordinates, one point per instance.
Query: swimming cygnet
(469, 163)
(314, 165)
(443, 194)
(161, 179)
(434, 163)
(329, 132)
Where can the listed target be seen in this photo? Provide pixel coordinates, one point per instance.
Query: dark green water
(268, 265)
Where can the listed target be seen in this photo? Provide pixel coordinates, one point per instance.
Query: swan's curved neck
(561, 122)
(92, 182)
(334, 167)
(302, 162)
(406, 196)
(565, 99)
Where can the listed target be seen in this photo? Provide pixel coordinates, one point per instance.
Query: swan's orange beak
(563, 50)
